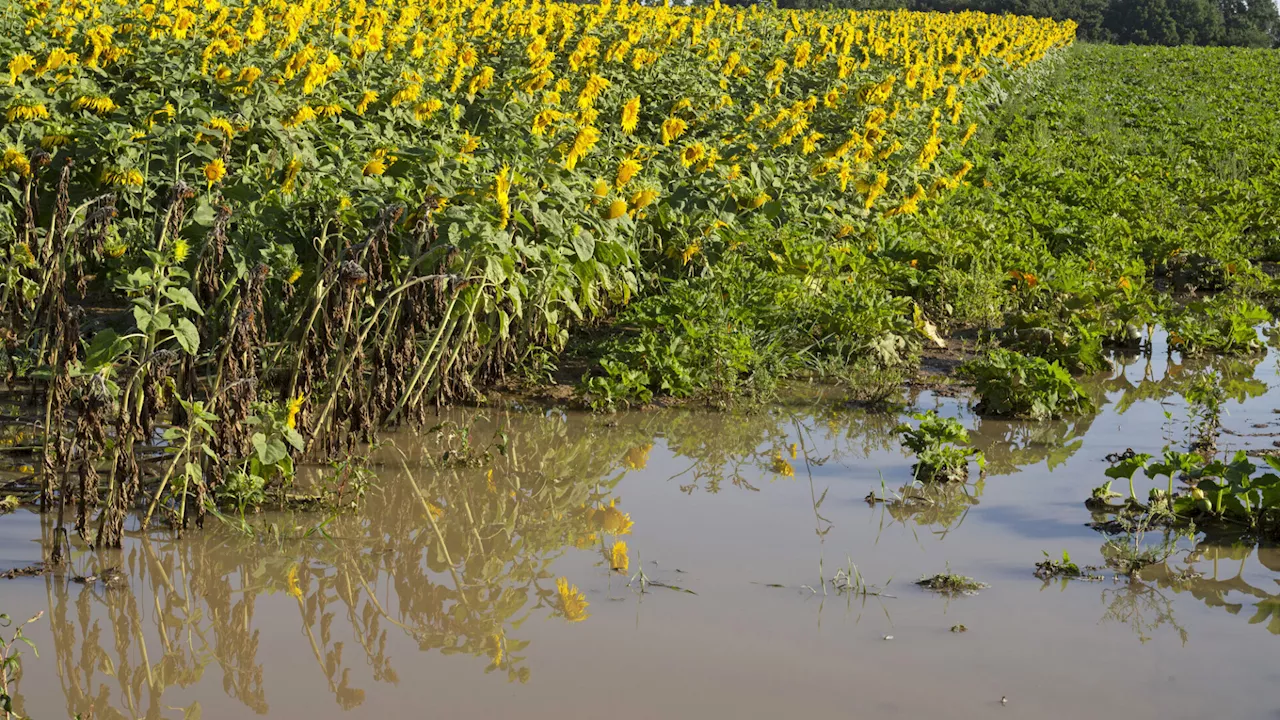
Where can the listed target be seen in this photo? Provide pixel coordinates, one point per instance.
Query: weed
(942, 505)
(849, 580)
(1129, 555)
(781, 305)
(11, 660)
(1205, 396)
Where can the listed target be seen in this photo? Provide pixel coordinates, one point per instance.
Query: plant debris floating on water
(948, 583)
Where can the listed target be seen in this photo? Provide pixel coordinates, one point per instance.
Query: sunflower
(631, 115)
(214, 171)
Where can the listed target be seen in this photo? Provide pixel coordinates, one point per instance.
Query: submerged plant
(949, 583)
(1129, 554)
(938, 443)
(1010, 384)
(1050, 569)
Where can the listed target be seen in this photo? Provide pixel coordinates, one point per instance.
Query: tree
(1143, 22)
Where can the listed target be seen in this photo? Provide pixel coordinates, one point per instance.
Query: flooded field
(754, 578)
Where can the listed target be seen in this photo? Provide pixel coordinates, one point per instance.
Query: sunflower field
(265, 226)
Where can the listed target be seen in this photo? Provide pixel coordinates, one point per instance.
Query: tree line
(1250, 23)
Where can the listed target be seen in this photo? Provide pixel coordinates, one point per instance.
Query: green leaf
(103, 350)
(204, 215)
(269, 452)
(584, 244)
(188, 336)
(185, 298)
(141, 318)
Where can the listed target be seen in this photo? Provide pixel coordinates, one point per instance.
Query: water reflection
(453, 555)
(1218, 575)
(734, 450)
(1012, 446)
(939, 506)
(1223, 581)
(1177, 375)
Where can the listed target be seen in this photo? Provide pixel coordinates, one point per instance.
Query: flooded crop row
(678, 564)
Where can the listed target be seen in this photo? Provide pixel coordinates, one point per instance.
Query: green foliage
(773, 304)
(1082, 248)
(1224, 492)
(1010, 384)
(1049, 568)
(938, 443)
(1223, 325)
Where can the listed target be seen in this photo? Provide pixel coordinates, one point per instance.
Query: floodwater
(439, 596)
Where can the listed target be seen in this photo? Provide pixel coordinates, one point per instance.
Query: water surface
(439, 595)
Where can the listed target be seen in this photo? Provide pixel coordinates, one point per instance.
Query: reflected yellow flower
(781, 466)
(637, 457)
(610, 519)
(573, 604)
(291, 580)
(496, 649)
(618, 559)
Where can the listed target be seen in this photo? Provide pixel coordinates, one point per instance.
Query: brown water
(438, 598)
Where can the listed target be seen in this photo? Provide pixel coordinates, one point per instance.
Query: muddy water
(439, 596)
